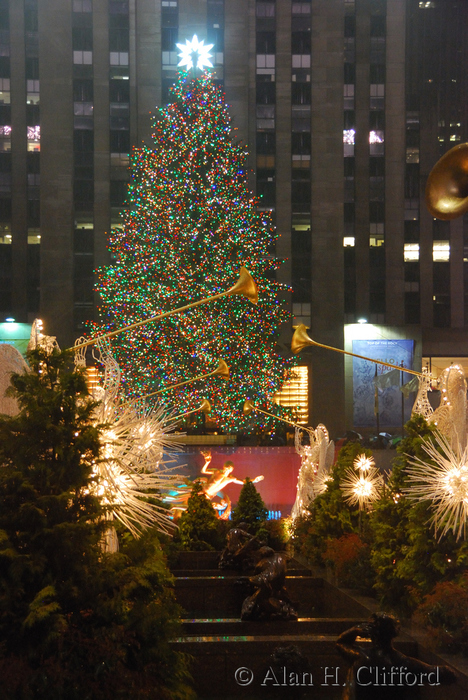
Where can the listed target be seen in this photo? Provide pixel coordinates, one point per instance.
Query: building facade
(345, 106)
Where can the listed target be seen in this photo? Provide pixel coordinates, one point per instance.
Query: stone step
(215, 596)
(224, 663)
(184, 573)
(209, 560)
(235, 626)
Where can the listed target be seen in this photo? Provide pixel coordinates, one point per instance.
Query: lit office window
(294, 394)
(411, 252)
(441, 251)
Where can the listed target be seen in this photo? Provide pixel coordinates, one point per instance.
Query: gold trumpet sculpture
(245, 286)
(205, 407)
(300, 340)
(447, 184)
(249, 408)
(222, 370)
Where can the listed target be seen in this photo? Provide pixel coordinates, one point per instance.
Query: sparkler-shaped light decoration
(443, 482)
(131, 467)
(362, 487)
(195, 50)
(363, 463)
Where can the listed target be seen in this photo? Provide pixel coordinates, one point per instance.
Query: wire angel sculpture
(450, 418)
(316, 460)
(132, 472)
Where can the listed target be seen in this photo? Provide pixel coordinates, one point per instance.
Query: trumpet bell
(248, 407)
(205, 407)
(447, 184)
(246, 286)
(300, 339)
(222, 369)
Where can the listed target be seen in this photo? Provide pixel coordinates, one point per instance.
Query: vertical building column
(19, 189)
(147, 60)
(361, 152)
(101, 134)
(55, 65)
(239, 69)
(327, 308)
(394, 162)
(456, 274)
(283, 146)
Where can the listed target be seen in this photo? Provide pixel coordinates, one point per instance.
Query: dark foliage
(74, 622)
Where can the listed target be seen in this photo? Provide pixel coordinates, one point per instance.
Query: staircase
(233, 658)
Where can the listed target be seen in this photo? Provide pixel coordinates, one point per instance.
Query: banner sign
(373, 393)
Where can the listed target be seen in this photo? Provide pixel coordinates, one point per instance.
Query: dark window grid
(4, 67)
(300, 93)
(377, 73)
(300, 23)
(83, 140)
(4, 17)
(84, 159)
(83, 123)
(377, 25)
(119, 39)
(412, 308)
(83, 191)
(266, 42)
(34, 213)
(169, 17)
(119, 90)
(118, 193)
(215, 36)
(32, 68)
(265, 93)
(300, 192)
(266, 142)
(119, 141)
(412, 271)
(377, 120)
(83, 90)
(441, 278)
(300, 42)
(350, 26)
(83, 241)
(441, 311)
(82, 38)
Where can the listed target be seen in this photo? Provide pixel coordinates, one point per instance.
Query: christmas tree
(250, 508)
(191, 223)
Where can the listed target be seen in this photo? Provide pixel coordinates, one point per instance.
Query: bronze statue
(381, 671)
(240, 549)
(270, 600)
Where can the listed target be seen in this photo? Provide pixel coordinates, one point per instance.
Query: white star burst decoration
(363, 463)
(132, 465)
(195, 49)
(362, 488)
(444, 484)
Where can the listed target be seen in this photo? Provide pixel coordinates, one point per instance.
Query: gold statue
(220, 478)
(213, 483)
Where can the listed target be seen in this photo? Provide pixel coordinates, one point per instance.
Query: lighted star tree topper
(190, 224)
(195, 53)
